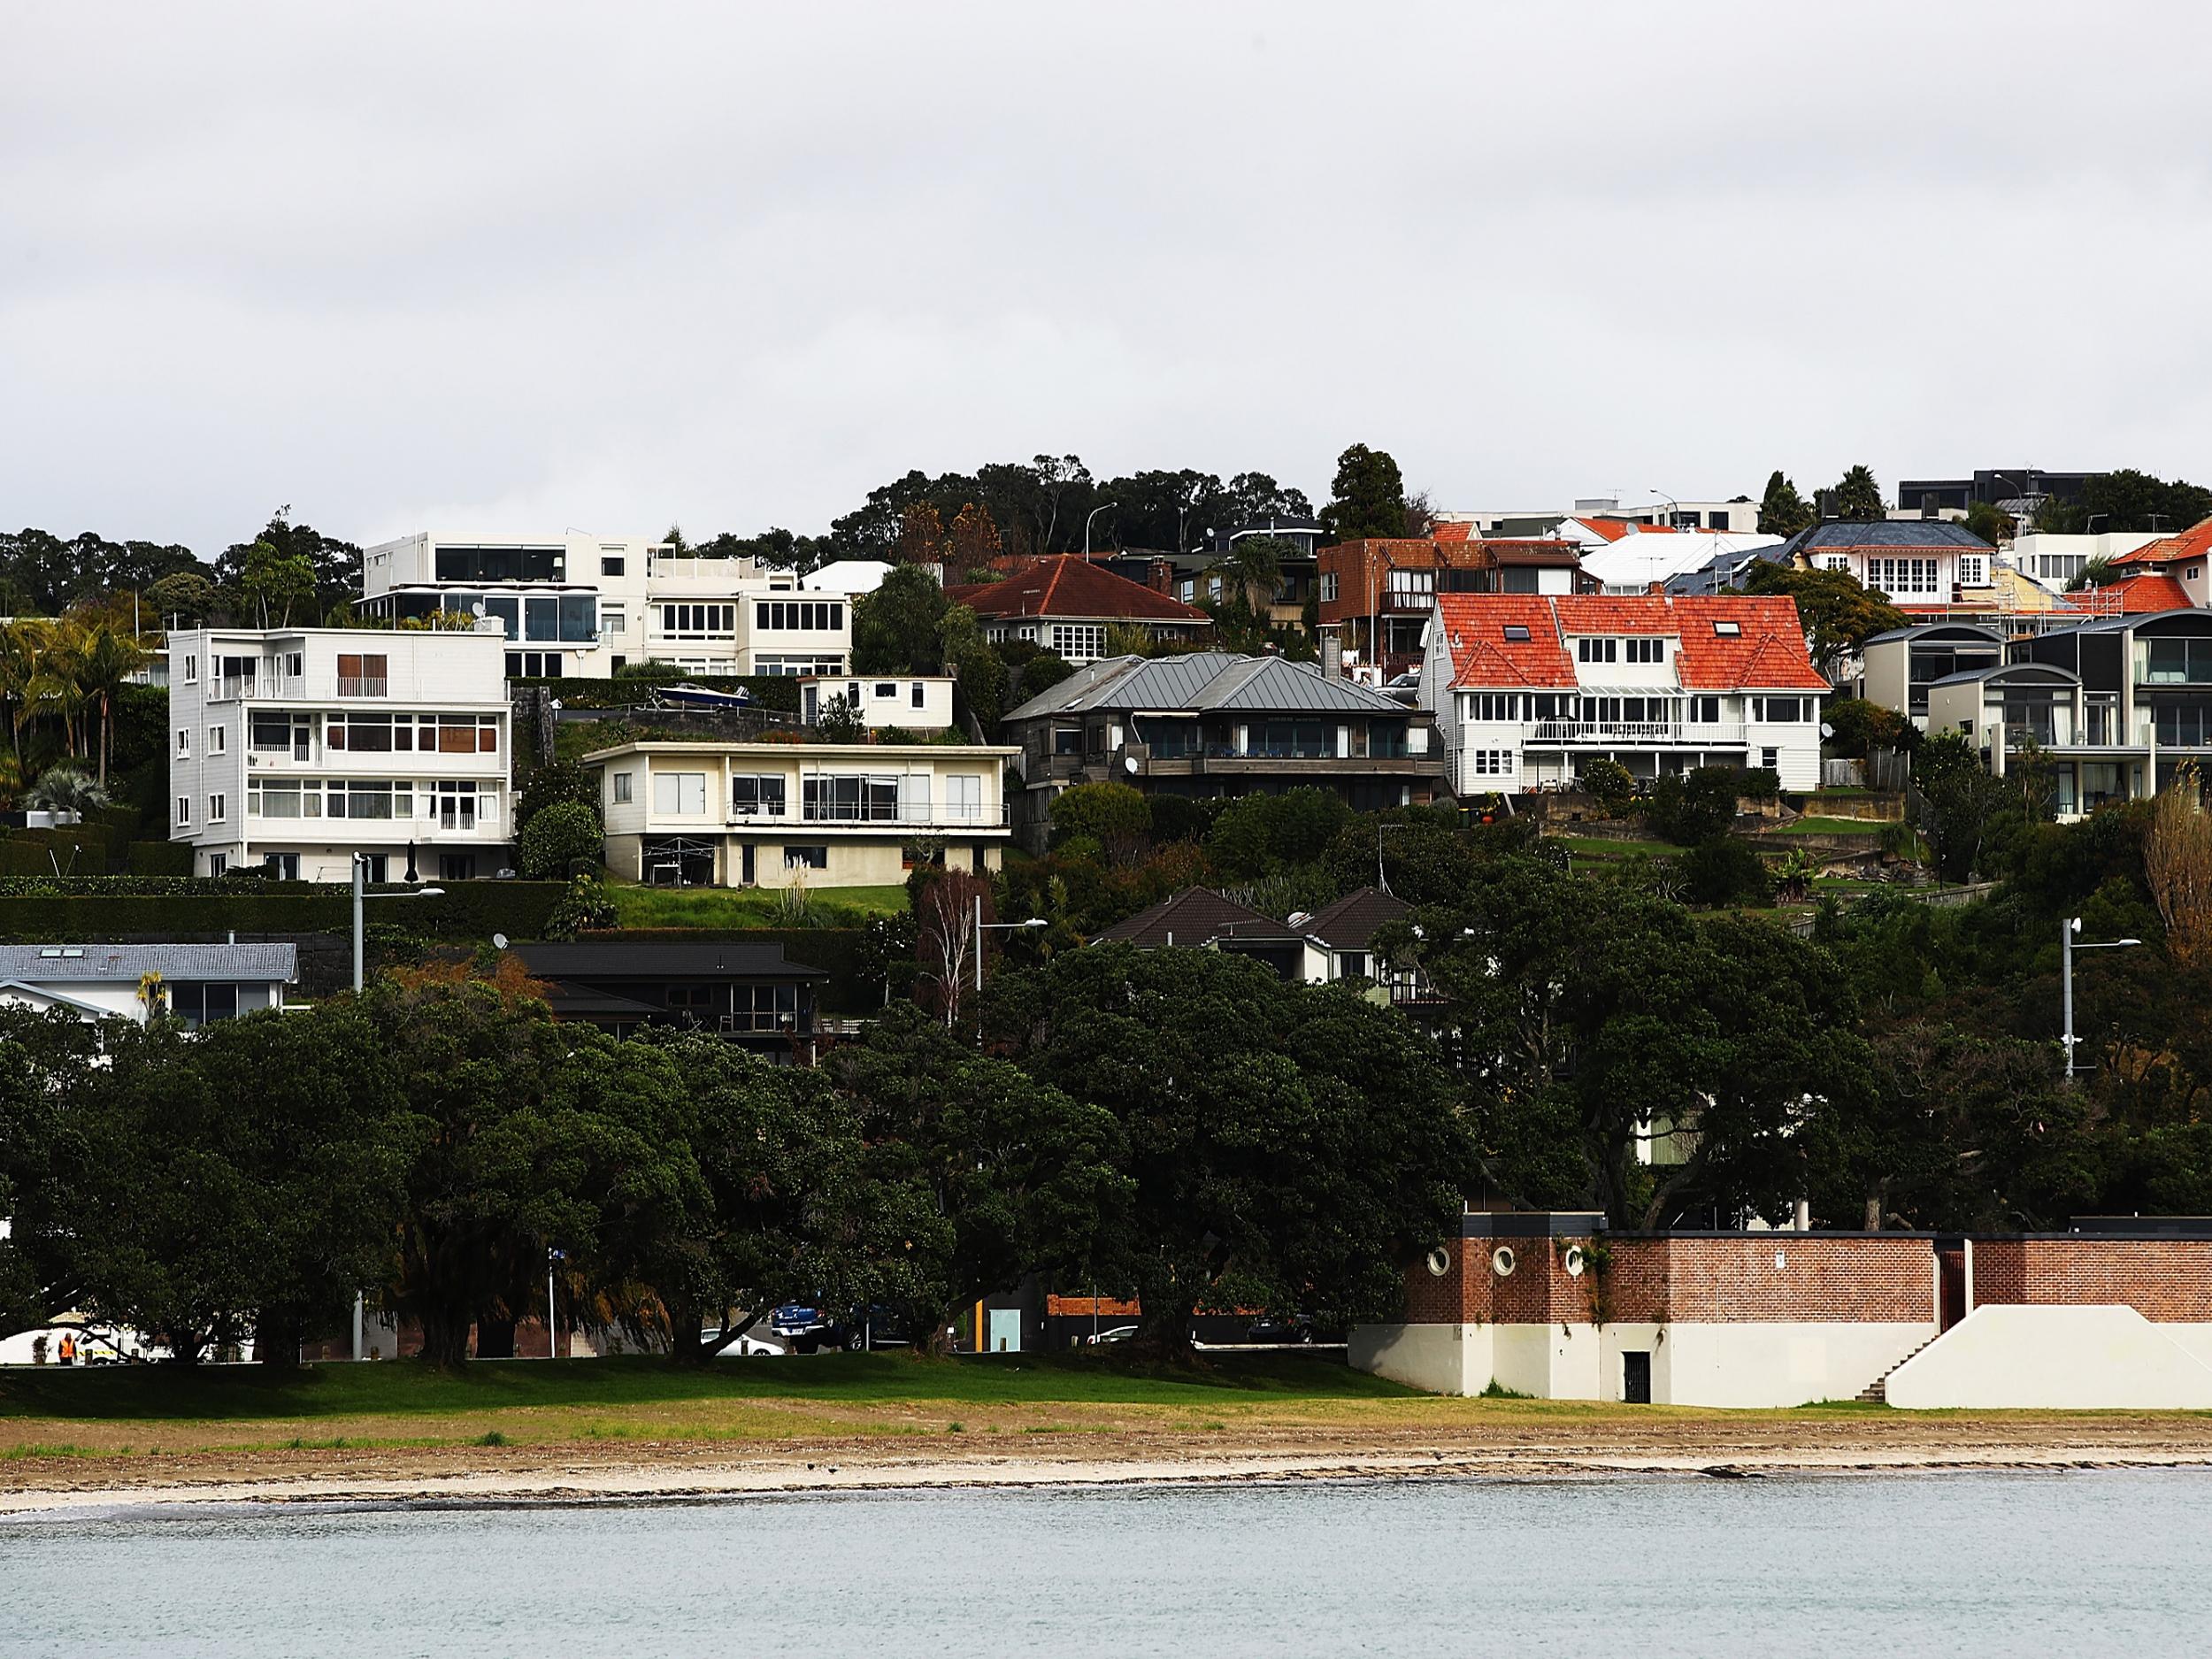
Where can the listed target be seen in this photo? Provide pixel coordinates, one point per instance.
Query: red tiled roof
(2130, 595)
(1615, 529)
(2194, 543)
(1767, 653)
(1062, 585)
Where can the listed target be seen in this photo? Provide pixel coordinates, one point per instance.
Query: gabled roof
(1728, 642)
(2194, 543)
(642, 960)
(2130, 595)
(1203, 683)
(1350, 923)
(1837, 535)
(1196, 915)
(1063, 585)
(107, 964)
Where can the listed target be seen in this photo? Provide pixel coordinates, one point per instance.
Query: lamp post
(361, 893)
(1103, 506)
(2067, 947)
(551, 1257)
(983, 927)
(1674, 507)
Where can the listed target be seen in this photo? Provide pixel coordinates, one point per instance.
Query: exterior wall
(2166, 1280)
(2062, 1357)
(294, 677)
(1771, 1363)
(911, 703)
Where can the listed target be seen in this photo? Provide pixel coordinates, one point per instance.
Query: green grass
(1832, 827)
(750, 907)
(1602, 847)
(244, 1393)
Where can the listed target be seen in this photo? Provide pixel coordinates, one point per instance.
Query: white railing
(934, 815)
(1693, 732)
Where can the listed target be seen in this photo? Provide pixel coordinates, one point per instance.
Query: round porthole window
(1501, 1260)
(1576, 1260)
(1440, 1261)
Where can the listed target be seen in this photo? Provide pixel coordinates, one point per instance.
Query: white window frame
(217, 741)
(622, 788)
(218, 808)
(184, 811)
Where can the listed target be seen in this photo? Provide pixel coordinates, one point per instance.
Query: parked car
(1291, 1327)
(745, 1346)
(1119, 1333)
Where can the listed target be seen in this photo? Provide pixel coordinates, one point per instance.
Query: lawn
(1833, 826)
(749, 907)
(1602, 847)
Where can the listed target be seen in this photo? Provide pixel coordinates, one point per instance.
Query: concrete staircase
(1877, 1393)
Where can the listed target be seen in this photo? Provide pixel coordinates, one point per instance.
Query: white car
(1119, 1333)
(746, 1347)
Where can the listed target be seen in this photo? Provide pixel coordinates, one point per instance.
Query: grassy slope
(723, 907)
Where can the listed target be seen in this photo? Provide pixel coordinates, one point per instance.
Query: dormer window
(1516, 634)
(1728, 630)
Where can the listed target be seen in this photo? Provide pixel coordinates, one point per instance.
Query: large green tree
(1369, 498)
(901, 627)
(1858, 496)
(1839, 615)
(1782, 511)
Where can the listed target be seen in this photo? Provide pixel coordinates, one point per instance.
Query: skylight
(1516, 634)
(1728, 630)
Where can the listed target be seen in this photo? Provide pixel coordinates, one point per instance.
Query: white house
(1528, 688)
(2052, 561)
(585, 605)
(198, 984)
(773, 814)
(907, 703)
(297, 747)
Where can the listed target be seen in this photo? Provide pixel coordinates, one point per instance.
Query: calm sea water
(2087, 1563)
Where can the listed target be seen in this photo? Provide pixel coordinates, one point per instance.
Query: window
(1705, 710)
(184, 740)
(365, 734)
(1646, 651)
(757, 796)
(681, 792)
(917, 694)
(1328, 588)
(198, 1005)
(283, 797)
(1835, 561)
(1412, 586)
(362, 676)
(456, 866)
(1516, 634)
(1973, 570)
(699, 622)
(613, 620)
(217, 737)
(806, 857)
(540, 616)
(1769, 756)
(368, 799)
(1490, 706)
(191, 670)
(964, 798)
(1079, 641)
(279, 734)
(1781, 708)
(1597, 650)
(184, 811)
(453, 803)
(611, 564)
(217, 864)
(1727, 630)
(1899, 577)
(534, 664)
(1491, 763)
(801, 615)
(282, 867)
(849, 798)
(451, 735)
(622, 788)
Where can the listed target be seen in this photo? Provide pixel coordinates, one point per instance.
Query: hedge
(171, 907)
(170, 859)
(778, 694)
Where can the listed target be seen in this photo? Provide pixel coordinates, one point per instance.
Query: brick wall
(1471, 1291)
(2167, 1279)
(1854, 1279)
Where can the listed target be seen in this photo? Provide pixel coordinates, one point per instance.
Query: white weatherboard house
(197, 983)
(297, 747)
(776, 815)
(577, 605)
(1528, 688)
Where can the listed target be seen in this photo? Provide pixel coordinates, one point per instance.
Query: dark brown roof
(1196, 915)
(1062, 585)
(1350, 923)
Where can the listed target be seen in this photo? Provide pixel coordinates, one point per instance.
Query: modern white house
(1527, 689)
(197, 983)
(2052, 561)
(738, 814)
(906, 703)
(583, 605)
(297, 747)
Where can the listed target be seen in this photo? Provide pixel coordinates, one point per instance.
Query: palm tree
(66, 789)
(56, 686)
(19, 660)
(110, 656)
(1256, 563)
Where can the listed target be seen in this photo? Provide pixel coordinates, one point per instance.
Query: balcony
(934, 815)
(1650, 733)
(364, 686)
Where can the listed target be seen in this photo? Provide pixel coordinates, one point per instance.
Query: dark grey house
(750, 993)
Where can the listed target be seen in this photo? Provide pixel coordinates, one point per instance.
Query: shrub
(1689, 811)
(1611, 782)
(561, 783)
(558, 837)
(1041, 673)
(1722, 871)
(1115, 816)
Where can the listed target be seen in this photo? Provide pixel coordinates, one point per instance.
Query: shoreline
(575, 1475)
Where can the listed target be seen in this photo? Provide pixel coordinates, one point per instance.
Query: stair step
(1877, 1393)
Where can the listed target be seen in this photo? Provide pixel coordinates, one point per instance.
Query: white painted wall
(2086, 1358)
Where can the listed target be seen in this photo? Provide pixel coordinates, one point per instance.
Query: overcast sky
(516, 268)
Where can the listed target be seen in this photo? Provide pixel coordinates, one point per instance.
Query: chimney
(1928, 508)
(1332, 651)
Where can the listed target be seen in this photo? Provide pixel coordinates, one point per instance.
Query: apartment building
(297, 747)
(581, 605)
(776, 815)
(1527, 689)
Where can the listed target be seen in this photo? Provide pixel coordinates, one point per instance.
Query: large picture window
(760, 795)
(799, 616)
(683, 794)
(849, 799)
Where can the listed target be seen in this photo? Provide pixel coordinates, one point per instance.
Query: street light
(2067, 947)
(1674, 507)
(983, 927)
(361, 892)
(1103, 506)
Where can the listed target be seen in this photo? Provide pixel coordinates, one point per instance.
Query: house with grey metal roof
(1213, 722)
(197, 983)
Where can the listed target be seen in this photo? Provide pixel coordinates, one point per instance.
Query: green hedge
(156, 908)
(777, 692)
(836, 950)
(169, 859)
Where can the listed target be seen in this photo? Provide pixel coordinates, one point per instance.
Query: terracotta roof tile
(1765, 652)
(2194, 543)
(2132, 595)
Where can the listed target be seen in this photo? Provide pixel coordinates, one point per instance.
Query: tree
(948, 943)
(273, 582)
(1956, 798)
(68, 789)
(44, 1059)
(1611, 783)
(1991, 522)
(1858, 498)
(1115, 816)
(995, 1173)
(1368, 499)
(1256, 833)
(1693, 809)
(2128, 500)
(899, 629)
(559, 838)
(974, 541)
(922, 538)
(1287, 1145)
(186, 596)
(327, 574)
(1782, 511)
(2178, 860)
(1255, 565)
(837, 721)
(105, 666)
(1839, 615)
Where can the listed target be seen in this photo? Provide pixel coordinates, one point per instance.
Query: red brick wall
(1841, 1278)
(1538, 1291)
(2168, 1279)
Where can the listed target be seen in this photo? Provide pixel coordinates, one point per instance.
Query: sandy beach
(1700, 1444)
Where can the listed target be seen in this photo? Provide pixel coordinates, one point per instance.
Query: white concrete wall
(1436, 1357)
(2080, 1358)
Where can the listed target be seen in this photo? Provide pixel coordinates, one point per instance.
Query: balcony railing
(934, 815)
(363, 685)
(1651, 731)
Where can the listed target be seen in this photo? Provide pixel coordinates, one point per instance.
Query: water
(2087, 1563)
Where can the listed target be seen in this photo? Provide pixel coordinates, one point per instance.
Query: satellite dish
(1130, 762)
(1827, 730)
(499, 942)
(477, 609)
